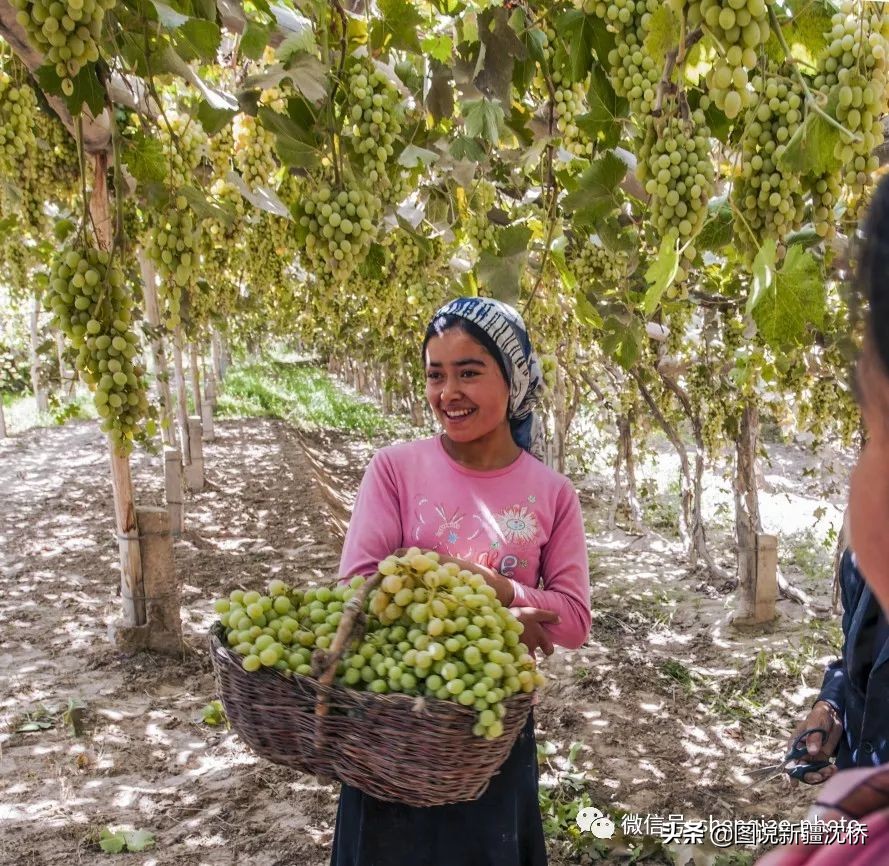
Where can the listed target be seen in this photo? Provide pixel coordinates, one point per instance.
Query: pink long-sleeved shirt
(523, 520)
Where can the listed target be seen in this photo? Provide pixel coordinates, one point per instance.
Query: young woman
(477, 494)
(863, 794)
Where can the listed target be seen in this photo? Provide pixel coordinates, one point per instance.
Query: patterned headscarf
(505, 327)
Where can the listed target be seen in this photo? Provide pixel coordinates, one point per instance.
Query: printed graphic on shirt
(489, 538)
(518, 525)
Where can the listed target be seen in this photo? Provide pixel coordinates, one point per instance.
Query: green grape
(88, 297)
(739, 28)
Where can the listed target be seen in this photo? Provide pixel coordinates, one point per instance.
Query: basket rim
(217, 642)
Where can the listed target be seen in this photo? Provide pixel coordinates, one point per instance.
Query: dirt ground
(661, 711)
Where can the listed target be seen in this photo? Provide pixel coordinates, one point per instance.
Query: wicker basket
(418, 751)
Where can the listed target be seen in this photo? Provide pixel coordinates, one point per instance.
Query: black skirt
(503, 827)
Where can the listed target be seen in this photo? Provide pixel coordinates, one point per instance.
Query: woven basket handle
(350, 625)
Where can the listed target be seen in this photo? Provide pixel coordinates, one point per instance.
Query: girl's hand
(534, 636)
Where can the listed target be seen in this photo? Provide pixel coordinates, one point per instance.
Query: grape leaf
(483, 119)
(213, 119)
(438, 47)
(597, 190)
(254, 40)
(621, 340)
(293, 142)
(763, 274)
(662, 35)
(719, 229)
(795, 301)
(261, 197)
(198, 40)
(586, 312)
(145, 159)
(87, 89)
(309, 76)
(811, 149)
(501, 274)
(501, 48)
(661, 273)
(603, 121)
(168, 17)
(168, 60)
(412, 155)
(398, 26)
(139, 840)
(112, 843)
(203, 207)
(574, 53)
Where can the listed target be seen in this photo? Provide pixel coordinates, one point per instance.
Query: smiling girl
(479, 495)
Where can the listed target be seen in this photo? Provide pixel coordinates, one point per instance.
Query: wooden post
(3, 433)
(161, 587)
(181, 398)
(173, 485)
(36, 386)
(209, 382)
(194, 471)
(158, 355)
(216, 354)
(762, 592)
(195, 379)
(207, 421)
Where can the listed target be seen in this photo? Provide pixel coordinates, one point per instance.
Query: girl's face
(464, 386)
(868, 515)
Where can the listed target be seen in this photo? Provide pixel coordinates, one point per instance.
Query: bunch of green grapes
(769, 199)
(595, 266)
(67, 32)
(375, 118)
(254, 152)
(18, 108)
(90, 303)
(739, 28)
(633, 72)
(824, 191)
(172, 236)
(433, 630)
(477, 228)
(854, 72)
(570, 103)
(220, 152)
(340, 225)
(677, 169)
(56, 156)
(172, 243)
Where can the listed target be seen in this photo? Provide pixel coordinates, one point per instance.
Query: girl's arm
(564, 566)
(375, 527)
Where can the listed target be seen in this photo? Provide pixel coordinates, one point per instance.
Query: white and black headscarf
(506, 329)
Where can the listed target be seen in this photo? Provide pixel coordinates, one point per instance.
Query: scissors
(796, 752)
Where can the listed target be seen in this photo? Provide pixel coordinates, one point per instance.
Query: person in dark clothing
(853, 705)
